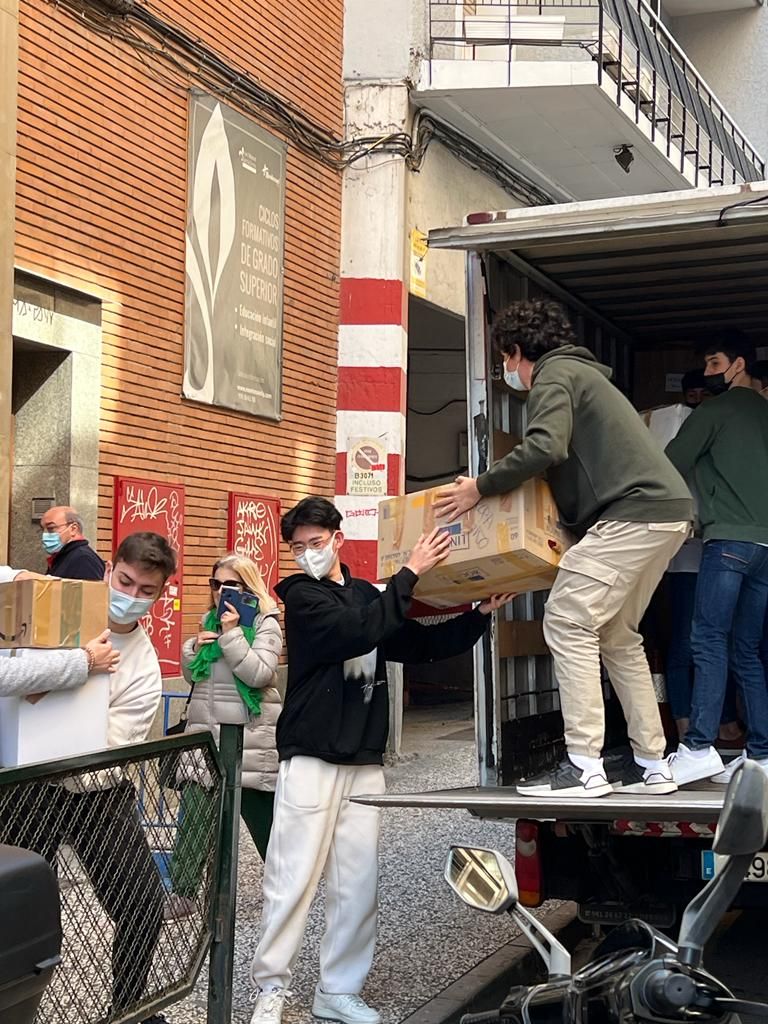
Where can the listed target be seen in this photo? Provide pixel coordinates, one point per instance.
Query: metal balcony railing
(636, 58)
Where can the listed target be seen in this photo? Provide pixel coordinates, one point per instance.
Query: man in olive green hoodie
(723, 446)
(632, 511)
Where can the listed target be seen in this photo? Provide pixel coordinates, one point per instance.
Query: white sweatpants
(316, 831)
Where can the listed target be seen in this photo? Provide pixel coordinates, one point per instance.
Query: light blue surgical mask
(512, 379)
(52, 543)
(125, 610)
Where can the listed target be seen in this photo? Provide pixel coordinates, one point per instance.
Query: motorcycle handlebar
(741, 1006)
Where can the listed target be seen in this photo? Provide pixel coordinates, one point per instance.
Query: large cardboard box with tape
(51, 613)
(511, 543)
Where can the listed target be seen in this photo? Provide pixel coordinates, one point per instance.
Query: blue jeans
(731, 604)
(678, 671)
(681, 588)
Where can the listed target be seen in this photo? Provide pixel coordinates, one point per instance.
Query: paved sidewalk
(427, 938)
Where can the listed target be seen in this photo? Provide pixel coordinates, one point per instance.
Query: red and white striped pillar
(373, 331)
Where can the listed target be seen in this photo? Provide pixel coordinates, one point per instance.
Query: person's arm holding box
(416, 643)
(41, 672)
(546, 444)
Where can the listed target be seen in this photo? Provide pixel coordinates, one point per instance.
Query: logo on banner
(367, 467)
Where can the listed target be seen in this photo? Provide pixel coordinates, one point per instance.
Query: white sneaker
(725, 776)
(347, 1008)
(694, 765)
(269, 1006)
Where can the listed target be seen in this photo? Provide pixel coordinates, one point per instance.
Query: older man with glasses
(70, 556)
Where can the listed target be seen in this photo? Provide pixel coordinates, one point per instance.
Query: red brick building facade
(101, 209)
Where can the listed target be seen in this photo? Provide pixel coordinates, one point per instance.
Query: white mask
(125, 610)
(512, 379)
(317, 563)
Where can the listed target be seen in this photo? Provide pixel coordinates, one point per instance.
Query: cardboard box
(520, 638)
(51, 613)
(510, 543)
(61, 724)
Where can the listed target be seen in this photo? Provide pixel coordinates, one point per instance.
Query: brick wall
(101, 207)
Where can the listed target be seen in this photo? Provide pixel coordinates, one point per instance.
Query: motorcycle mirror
(483, 879)
(743, 825)
(741, 832)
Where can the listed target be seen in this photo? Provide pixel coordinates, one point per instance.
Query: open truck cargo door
(638, 274)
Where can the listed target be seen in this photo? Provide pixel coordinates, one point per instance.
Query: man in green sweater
(723, 447)
(632, 511)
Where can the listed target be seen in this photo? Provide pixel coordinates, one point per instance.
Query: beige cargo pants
(602, 590)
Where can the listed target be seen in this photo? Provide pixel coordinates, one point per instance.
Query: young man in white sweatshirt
(96, 813)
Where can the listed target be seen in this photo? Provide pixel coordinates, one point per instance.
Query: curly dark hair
(536, 326)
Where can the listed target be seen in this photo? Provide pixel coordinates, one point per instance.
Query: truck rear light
(528, 863)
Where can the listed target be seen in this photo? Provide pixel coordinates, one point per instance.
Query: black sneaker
(627, 776)
(156, 1018)
(566, 780)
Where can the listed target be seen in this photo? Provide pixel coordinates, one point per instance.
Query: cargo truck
(646, 278)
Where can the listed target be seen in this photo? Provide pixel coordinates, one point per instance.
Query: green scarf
(200, 666)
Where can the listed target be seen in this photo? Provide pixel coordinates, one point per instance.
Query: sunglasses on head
(218, 584)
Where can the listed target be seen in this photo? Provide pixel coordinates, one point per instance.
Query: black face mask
(717, 383)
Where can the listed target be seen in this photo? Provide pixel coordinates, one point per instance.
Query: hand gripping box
(509, 543)
(51, 613)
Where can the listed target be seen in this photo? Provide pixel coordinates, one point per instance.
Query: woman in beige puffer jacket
(217, 700)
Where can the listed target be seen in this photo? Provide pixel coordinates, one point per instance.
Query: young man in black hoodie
(617, 491)
(331, 737)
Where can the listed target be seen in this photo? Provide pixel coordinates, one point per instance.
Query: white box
(665, 422)
(63, 724)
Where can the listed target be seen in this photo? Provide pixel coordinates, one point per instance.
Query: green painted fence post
(223, 947)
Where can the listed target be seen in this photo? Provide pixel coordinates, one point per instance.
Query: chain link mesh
(134, 846)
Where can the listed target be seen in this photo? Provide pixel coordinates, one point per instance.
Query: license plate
(712, 862)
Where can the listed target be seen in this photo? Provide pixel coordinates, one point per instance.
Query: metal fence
(134, 837)
(636, 59)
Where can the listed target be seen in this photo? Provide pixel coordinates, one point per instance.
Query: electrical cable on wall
(182, 61)
(440, 408)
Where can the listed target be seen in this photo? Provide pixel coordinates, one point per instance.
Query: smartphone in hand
(243, 601)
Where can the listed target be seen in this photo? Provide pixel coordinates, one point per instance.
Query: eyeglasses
(216, 585)
(317, 544)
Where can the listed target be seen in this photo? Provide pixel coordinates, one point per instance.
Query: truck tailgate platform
(702, 804)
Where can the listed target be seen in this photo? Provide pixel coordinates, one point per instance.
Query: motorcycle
(636, 973)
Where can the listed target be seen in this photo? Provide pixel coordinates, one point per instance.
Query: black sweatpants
(104, 830)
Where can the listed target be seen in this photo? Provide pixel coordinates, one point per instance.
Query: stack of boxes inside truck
(52, 614)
